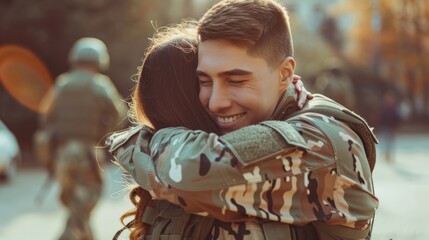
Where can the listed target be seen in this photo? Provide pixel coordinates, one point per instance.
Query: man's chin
(222, 131)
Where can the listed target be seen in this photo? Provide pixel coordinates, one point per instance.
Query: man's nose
(220, 99)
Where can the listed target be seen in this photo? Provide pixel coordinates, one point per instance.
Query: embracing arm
(199, 161)
(240, 174)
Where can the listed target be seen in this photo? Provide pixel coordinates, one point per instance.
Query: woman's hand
(303, 94)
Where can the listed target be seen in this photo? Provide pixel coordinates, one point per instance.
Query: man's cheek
(204, 96)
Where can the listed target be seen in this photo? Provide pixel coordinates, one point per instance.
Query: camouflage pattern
(81, 109)
(81, 185)
(311, 174)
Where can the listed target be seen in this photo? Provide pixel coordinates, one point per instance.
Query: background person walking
(83, 106)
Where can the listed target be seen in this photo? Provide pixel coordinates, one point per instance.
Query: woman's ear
(287, 68)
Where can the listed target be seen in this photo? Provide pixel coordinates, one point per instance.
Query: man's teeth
(229, 119)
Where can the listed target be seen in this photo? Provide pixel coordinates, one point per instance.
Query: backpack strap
(326, 231)
(276, 230)
(283, 231)
(199, 227)
(328, 107)
(171, 222)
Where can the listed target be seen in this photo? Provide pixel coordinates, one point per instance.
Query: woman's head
(166, 94)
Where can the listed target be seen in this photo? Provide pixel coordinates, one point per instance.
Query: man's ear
(287, 68)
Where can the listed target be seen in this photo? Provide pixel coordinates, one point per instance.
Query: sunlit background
(370, 55)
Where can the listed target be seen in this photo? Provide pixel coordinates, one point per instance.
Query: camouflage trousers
(81, 185)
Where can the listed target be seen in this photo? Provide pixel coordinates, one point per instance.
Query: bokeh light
(24, 76)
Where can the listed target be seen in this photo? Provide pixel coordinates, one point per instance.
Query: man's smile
(230, 119)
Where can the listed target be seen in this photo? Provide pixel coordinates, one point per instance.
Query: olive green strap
(149, 215)
(337, 232)
(284, 231)
(276, 230)
(306, 232)
(168, 220)
(201, 228)
(171, 222)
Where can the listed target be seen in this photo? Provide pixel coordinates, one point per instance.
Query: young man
(311, 170)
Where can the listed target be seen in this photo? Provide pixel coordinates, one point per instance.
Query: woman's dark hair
(166, 95)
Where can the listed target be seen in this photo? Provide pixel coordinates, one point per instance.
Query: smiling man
(239, 89)
(301, 174)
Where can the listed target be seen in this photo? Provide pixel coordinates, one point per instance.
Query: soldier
(312, 170)
(83, 106)
(389, 122)
(334, 82)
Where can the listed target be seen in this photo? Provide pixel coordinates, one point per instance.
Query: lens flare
(24, 76)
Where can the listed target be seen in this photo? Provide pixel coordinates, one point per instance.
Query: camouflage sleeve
(129, 148)
(302, 180)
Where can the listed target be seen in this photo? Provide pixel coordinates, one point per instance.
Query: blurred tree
(393, 36)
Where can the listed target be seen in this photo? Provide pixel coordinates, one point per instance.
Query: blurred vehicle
(9, 153)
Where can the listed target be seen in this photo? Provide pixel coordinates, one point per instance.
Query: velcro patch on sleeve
(256, 142)
(289, 134)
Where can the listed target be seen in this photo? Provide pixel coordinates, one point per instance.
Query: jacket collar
(286, 105)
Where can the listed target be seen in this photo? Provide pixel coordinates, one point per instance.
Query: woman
(166, 95)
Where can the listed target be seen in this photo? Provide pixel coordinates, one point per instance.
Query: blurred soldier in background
(83, 107)
(334, 82)
(389, 121)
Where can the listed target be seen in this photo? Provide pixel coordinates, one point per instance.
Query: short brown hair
(262, 26)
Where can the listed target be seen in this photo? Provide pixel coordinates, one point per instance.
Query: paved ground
(22, 219)
(403, 190)
(402, 187)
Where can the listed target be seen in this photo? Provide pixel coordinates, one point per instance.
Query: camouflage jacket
(309, 168)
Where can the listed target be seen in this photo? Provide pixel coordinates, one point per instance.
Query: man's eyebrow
(201, 73)
(235, 72)
(232, 72)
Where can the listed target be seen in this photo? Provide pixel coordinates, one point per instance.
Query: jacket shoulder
(328, 107)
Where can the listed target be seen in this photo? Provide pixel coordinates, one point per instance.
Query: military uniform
(309, 169)
(83, 108)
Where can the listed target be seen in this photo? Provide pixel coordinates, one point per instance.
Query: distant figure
(334, 82)
(82, 108)
(389, 122)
